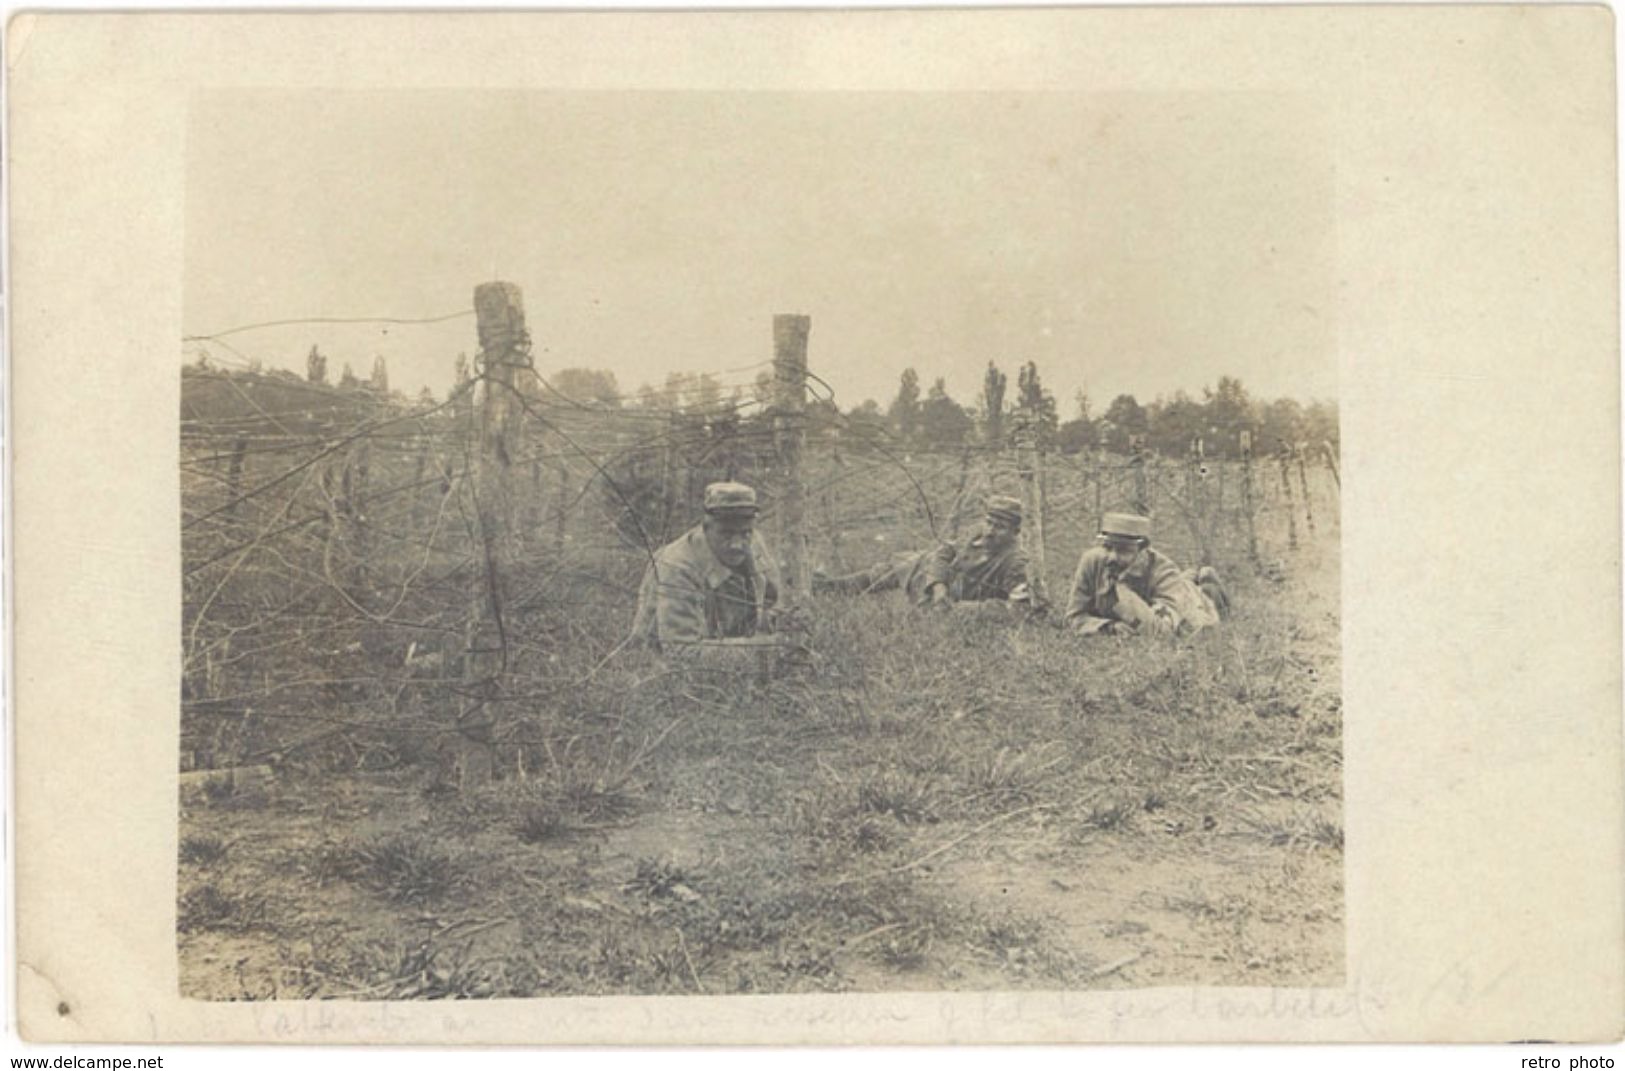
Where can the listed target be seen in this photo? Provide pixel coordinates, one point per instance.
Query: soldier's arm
(767, 568)
(1083, 587)
(1169, 599)
(679, 603)
(1018, 573)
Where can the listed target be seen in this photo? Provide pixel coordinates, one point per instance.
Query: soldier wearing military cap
(989, 565)
(716, 582)
(1123, 585)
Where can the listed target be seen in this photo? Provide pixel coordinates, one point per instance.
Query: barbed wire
(328, 320)
(344, 535)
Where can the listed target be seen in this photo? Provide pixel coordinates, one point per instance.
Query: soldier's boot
(1207, 578)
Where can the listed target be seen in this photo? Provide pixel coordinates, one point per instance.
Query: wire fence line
(339, 570)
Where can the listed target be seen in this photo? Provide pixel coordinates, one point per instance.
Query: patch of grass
(540, 823)
(662, 879)
(209, 907)
(907, 948)
(408, 868)
(424, 971)
(1007, 777)
(912, 799)
(1299, 828)
(202, 849)
(1109, 817)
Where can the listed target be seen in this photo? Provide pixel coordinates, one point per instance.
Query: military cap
(730, 499)
(1004, 508)
(1121, 527)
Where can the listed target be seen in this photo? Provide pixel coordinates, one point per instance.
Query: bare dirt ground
(948, 802)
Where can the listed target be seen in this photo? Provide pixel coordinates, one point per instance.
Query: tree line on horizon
(1170, 425)
(935, 420)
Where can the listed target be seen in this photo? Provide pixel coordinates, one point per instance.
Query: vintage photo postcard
(780, 527)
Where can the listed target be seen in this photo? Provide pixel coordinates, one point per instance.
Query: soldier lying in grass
(989, 566)
(1124, 586)
(710, 594)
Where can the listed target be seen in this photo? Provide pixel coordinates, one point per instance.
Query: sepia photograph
(717, 542)
(784, 528)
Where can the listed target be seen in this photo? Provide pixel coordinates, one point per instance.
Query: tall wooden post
(1098, 463)
(561, 508)
(504, 347)
(420, 496)
(1142, 488)
(668, 486)
(1030, 460)
(358, 494)
(1331, 463)
(1291, 510)
(1248, 506)
(1303, 479)
(789, 409)
(234, 477)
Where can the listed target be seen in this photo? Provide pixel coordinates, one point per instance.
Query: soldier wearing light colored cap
(1123, 585)
(715, 582)
(988, 566)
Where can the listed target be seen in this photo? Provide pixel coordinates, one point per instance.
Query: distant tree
(590, 386)
(1173, 424)
(1229, 411)
(866, 417)
(943, 421)
(316, 366)
(694, 394)
(1124, 419)
(705, 396)
(1280, 426)
(905, 408)
(460, 371)
(380, 375)
(1320, 423)
(990, 404)
(648, 397)
(425, 396)
(1037, 403)
(347, 379)
(1080, 432)
(823, 418)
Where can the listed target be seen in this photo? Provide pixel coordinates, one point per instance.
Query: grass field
(940, 802)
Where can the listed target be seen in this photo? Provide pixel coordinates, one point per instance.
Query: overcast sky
(1138, 243)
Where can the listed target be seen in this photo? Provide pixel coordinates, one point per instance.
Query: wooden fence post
(789, 434)
(1247, 504)
(1097, 464)
(1031, 461)
(1331, 463)
(1303, 478)
(420, 466)
(668, 485)
(561, 507)
(358, 508)
(504, 346)
(1140, 458)
(234, 478)
(1286, 494)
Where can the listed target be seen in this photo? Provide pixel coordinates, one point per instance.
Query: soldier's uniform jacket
(1153, 576)
(687, 595)
(971, 569)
